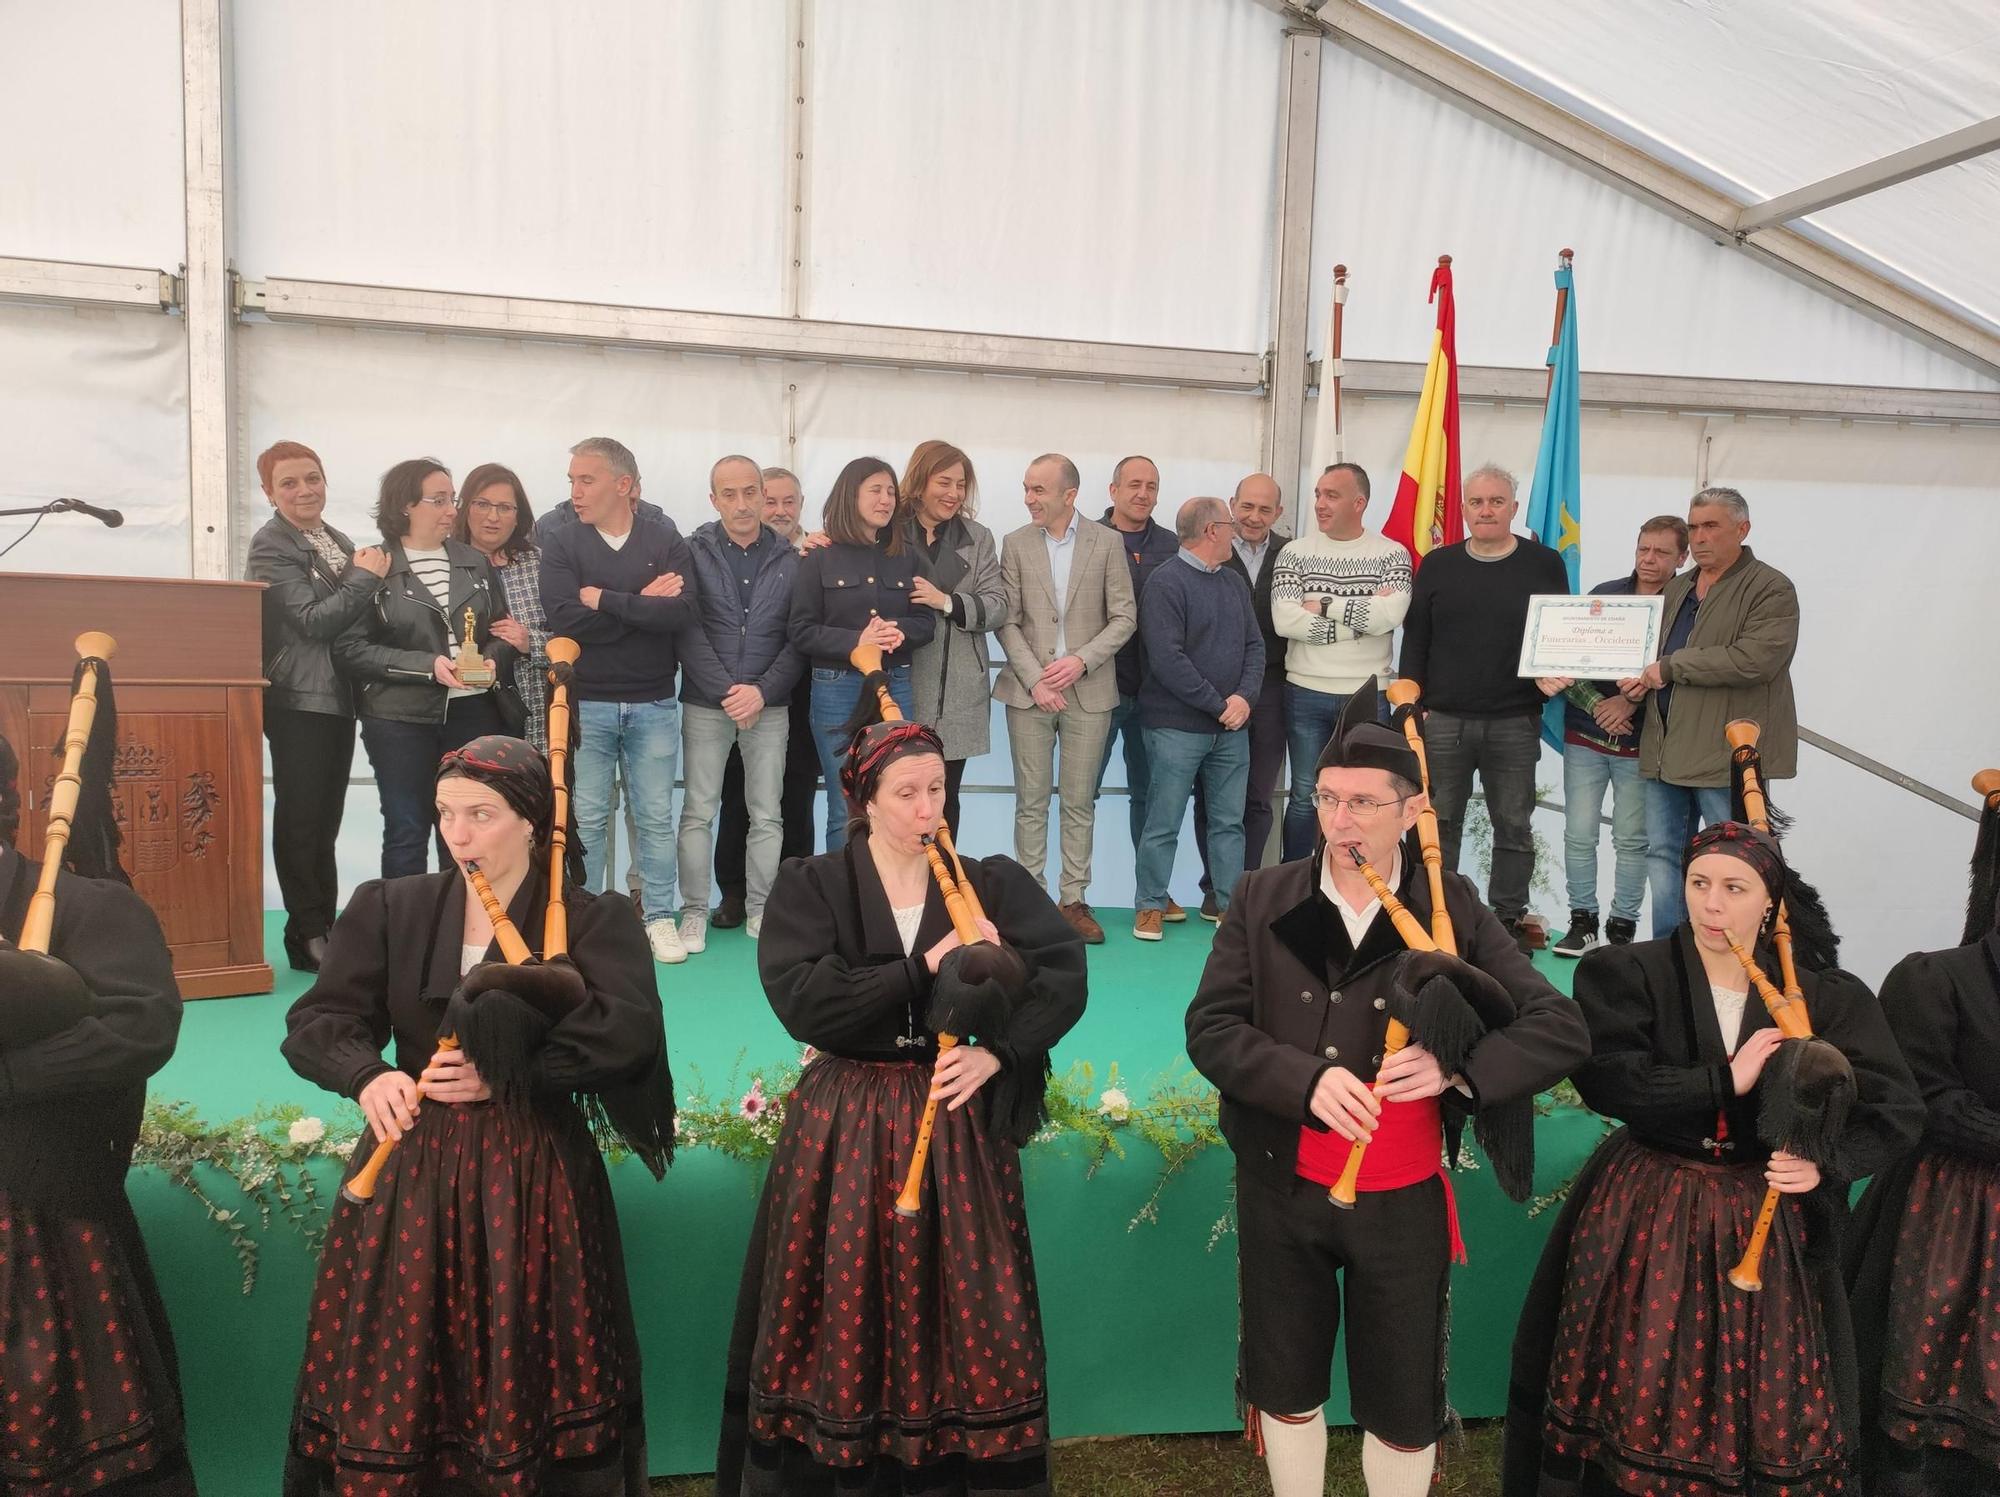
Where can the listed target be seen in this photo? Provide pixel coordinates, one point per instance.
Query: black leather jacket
(391, 648)
(305, 608)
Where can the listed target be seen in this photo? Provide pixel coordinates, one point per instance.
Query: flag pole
(1334, 369)
(1555, 333)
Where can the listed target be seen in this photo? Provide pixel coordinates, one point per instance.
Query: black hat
(1361, 741)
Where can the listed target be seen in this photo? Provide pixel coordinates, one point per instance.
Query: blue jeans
(1586, 775)
(1674, 813)
(835, 693)
(642, 740)
(1309, 719)
(1138, 779)
(1221, 761)
(405, 758)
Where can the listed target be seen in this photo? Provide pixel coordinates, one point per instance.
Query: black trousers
(312, 754)
(732, 833)
(1384, 1268)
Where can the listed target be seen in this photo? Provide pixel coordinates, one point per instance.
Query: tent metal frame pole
(1431, 65)
(207, 289)
(69, 283)
(1291, 271)
(1873, 176)
(728, 333)
(1669, 392)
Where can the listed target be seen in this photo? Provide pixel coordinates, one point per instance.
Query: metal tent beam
(71, 284)
(1668, 392)
(1946, 150)
(210, 316)
(770, 337)
(1291, 266)
(1431, 65)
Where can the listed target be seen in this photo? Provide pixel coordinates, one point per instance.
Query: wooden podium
(188, 678)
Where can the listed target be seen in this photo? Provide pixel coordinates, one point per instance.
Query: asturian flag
(1555, 499)
(1426, 513)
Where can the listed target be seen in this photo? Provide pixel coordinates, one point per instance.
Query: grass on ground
(1214, 1466)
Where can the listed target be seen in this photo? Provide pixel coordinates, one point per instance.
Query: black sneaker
(1621, 932)
(729, 914)
(1582, 934)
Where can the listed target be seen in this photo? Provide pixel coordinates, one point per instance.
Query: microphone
(112, 518)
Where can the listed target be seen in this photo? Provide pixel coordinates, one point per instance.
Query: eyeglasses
(491, 510)
(1360, 807)
(440, 501)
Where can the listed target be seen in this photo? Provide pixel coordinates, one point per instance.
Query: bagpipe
(502, 1009)
(1442, 1003)
(1807, 1086)
(44, 994)
(975, 983)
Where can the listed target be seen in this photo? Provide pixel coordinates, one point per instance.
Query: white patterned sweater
(1365, 585)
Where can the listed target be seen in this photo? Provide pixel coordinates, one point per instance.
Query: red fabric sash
(1407, 1149)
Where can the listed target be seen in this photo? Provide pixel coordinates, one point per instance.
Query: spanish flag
(1426, 513)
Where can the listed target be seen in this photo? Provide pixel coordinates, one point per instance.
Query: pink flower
(754, 1102)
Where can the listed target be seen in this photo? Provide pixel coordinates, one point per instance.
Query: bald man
(1254, 510)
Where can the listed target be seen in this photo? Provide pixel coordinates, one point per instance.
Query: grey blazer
(949, 677)
(1098, 616)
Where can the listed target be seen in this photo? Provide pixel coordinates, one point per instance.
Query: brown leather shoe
(1077, 913)
(1146, 924)
(1173, 914)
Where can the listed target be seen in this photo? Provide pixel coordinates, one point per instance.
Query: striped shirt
(433, 570)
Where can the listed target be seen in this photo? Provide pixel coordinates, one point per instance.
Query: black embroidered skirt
(1941, 1355)
(878, 1354)
(1667, 1380)
(470, 1330)
(89, 1401)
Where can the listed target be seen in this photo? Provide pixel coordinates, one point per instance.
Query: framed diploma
(1595, 636)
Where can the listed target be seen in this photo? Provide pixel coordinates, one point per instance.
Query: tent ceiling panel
(1937, 241)
(1759, 100)
(1405, 175)
(90, 110)
(634, 157)
(1099, 171)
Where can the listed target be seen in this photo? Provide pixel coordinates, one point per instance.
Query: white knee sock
(1390, 1472)
(1295, 1453)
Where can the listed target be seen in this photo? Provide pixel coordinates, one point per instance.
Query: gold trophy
(473, 668)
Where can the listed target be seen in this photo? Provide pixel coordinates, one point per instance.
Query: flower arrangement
(269, 1154)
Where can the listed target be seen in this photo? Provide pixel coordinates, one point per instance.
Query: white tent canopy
(807, 231)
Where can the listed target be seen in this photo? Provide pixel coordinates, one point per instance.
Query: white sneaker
(694, 932)
(665, 939)
(753, 927)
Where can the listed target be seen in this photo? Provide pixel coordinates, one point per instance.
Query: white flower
(307, 1131)
(1112, 1103)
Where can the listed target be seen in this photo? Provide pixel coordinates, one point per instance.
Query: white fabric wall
(93, 406)
(984, 191)
(615, 150)
(90, 109)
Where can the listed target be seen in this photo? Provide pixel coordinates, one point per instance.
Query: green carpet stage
(1141, 1321)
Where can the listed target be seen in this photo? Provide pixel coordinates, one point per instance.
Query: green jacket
(1737, 663)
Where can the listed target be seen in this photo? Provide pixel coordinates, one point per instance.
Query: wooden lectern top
(171, 631)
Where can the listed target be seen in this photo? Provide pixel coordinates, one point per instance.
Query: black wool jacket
(1285, 997)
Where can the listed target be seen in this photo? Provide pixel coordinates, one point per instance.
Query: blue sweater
(1202, 645)
(628, 640)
